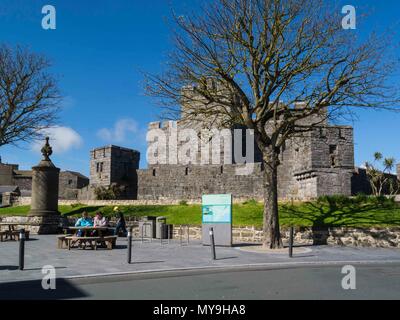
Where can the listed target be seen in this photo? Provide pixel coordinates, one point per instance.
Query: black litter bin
(160, 223)
(166, 231)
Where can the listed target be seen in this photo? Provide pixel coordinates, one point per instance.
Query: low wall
(356, 237)
(25, 201)
(36, 225)
(22, 201)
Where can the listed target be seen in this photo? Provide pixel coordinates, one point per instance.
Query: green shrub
(361, 198)
(112, 192)
(183, 203)
(383, 201)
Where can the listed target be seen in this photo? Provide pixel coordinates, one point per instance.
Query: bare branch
(29, 97)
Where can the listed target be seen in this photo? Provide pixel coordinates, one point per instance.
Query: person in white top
(99, 220)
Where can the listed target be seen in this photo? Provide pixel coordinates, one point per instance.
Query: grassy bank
(327, 211)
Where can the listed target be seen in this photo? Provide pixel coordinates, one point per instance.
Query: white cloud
(119, 133)
(62, 139)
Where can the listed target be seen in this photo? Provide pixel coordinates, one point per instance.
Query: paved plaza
(154, 257)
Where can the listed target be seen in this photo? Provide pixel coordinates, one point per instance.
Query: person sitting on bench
(99, 222)
(85, 221)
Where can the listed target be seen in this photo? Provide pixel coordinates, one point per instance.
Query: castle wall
(100, 166)
(320, 162)
(6, 174)
(191, 182)
(113, 165)
(70, 183)
(24, 183)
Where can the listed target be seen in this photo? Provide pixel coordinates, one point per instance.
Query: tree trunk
(272, 235)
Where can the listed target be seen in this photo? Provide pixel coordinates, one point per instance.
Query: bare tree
(29, 96)
(263, 52)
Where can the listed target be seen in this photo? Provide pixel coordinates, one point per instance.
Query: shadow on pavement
(146, 262)
(9, 268)
(32, 290)
(227, 258)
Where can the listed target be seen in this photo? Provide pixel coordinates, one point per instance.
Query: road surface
(317, 282)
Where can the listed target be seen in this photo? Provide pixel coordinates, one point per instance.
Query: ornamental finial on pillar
(47, 150)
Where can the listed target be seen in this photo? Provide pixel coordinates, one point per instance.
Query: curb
(230, 268)
(173, 272)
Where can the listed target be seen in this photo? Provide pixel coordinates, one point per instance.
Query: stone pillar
(44, 203)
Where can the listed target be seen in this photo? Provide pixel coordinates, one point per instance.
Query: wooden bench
(110, 241)
(83, 242)
(15, 234)
(62, 242)
(3, 234)
(93, 242)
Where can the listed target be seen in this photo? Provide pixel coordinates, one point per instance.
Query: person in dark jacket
(121, 223)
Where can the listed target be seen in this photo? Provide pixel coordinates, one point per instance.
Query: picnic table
(88, 238)
(88, 230)
(12, 233)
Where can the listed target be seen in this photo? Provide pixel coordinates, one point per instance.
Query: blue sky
(98, 50)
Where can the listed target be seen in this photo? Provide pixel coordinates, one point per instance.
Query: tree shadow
(321, 216)
(33, 290)
(79, 211)
(9, 268)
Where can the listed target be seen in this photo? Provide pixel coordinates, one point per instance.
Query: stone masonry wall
(374, 237)
(355, 237)
(26, 201)
(36, 225)
(114, 165)
(321, 162)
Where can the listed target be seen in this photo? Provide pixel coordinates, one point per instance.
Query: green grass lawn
(329, 211)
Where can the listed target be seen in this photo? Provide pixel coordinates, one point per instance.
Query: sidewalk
(152, 257)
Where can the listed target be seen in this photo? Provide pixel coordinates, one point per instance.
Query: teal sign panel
(217, 208)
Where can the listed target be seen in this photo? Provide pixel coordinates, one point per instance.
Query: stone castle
(19, 182)
(321, 162)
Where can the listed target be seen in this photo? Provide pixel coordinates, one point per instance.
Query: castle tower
(113, 165)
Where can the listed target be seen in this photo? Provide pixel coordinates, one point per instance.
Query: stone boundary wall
(37, 225)
(25, 201)
(355, 237)
(22, 201)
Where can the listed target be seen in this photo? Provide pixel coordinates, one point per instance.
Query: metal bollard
(291, 242)
(212, 241)
(21, 249)
(130, 245)
(187, 228)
